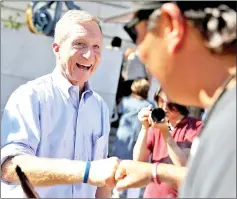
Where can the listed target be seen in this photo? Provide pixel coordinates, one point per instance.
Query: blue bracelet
(86, 174)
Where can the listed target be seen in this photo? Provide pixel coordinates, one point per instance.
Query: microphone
(158, 115)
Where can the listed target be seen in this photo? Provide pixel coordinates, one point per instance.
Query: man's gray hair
(69, 19)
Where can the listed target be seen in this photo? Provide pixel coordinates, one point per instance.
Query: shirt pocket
(99, 147)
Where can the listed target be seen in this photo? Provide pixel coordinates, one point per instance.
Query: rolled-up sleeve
(20, 128)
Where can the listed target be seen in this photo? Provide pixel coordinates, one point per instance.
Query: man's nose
(89, 54)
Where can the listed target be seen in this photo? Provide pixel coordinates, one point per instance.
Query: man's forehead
(78, 29)
(90, 29)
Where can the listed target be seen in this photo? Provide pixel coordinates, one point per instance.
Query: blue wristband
(86, 174)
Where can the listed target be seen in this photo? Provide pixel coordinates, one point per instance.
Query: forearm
(140, 151)
(176, 154)
(44, 171)
(171, 174)
(103, 192)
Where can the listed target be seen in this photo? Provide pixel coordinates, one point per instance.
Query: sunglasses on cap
(130, 27)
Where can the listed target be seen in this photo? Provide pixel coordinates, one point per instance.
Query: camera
(158, 115)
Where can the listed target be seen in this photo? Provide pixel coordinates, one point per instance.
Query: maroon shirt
(184, 133)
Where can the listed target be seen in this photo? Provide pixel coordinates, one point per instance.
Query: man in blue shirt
(55, 127)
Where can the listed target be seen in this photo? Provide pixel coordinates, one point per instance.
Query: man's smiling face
(81, 51)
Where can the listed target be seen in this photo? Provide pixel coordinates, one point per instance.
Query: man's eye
(96, 46)
(79, 44)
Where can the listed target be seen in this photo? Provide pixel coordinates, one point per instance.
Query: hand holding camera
(153, 117)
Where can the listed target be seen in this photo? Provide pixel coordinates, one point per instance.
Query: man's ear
(55, 48)
(174, 26)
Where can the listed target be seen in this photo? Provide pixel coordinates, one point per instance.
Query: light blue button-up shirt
(45, 118)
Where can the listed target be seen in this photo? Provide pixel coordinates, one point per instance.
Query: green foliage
(12, 23)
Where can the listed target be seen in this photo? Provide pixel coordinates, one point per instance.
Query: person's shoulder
(148, 103)
(40, 80)
(194, 122)
(127, 100)
(32, 86)
(226, 102)
(224, 110)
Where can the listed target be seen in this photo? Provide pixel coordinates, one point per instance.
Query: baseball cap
(153, 5)
(136, 6)
(142, 10)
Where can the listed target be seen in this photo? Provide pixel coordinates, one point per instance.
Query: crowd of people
(56, 128)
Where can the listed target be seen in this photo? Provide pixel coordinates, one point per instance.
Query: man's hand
(163, 127)
(102, 172)
(103, 192)
(133, 174)
(144, 116)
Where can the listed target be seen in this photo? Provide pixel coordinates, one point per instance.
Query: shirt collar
(179, 124)
(183, 121)
(64, 85)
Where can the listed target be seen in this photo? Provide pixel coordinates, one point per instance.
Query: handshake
(124, 174)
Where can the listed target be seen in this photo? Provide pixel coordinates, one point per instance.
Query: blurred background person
(195, 112)
(115, 44)
(169, 144)
(112, 52)
(129, 125)
(127, 52)
(124, 85)
(134, 68)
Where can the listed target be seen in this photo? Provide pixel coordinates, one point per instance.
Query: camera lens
(158, 115)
